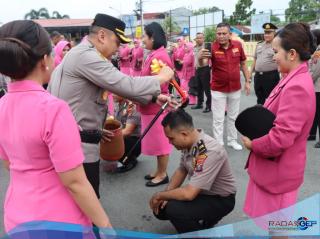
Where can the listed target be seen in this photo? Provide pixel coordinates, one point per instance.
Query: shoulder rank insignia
(198, 167)
(194, 151)
(201, 147)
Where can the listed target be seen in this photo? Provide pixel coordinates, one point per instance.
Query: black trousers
(203, 78)
(128, 144)
(92, 171)
(264, 83)
(316, 122)
(201, 213)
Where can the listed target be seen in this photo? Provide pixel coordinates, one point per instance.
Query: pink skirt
(263, 206)
(154, 143)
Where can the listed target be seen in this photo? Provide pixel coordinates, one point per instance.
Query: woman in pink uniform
(177, 57)
(137, 58)
(39, 141)
(60, 50)
(125, 57)
(155, 143)
(277, 160)
(188, 71)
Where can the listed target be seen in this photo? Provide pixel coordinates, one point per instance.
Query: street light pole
(141, 12)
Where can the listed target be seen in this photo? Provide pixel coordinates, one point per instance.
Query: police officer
(84, 75)
(266, 74)
(210, 193)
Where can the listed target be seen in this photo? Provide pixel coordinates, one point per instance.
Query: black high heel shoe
(163, 181)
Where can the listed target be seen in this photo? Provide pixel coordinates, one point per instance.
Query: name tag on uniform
(219, 54)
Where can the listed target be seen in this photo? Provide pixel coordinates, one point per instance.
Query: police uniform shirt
(81, 79)
(208, 167)
(264, 58)
(121, 114)
(196, 51)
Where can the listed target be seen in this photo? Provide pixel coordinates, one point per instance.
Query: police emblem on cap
(269, 26)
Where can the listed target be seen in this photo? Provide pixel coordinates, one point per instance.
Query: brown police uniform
(209, 170)
(266, 70)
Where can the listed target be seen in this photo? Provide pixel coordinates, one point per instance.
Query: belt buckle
(260, 73)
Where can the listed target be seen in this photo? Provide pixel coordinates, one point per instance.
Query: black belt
(91, 136)
(266, 72)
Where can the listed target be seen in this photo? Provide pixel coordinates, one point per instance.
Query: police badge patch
(198, 167)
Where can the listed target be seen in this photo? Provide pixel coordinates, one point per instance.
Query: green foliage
(205, 10)
(57, 15)
(302, 10)
(209, 34)
(242, 13)
(43, 13)
(170, 26)
(275, 19)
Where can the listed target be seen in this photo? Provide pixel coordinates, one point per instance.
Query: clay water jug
(114, 149)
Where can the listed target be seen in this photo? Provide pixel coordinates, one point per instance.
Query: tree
(205, 10)
(57, 15)
(274, 19)
(43, 13)
(302, 10)
(209, 34)
(242, 13)
(33, 14)
(170, 26)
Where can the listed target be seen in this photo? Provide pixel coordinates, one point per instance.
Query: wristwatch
(249, 81)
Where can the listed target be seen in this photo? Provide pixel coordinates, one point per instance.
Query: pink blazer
(159, 54)
(124, 54)
(137, 54)
(188, 68)
(293, 103)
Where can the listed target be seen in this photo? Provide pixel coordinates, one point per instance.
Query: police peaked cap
(112, 24)
(255, 122)
(269, 27)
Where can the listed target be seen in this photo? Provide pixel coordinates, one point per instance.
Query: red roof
(64, 22)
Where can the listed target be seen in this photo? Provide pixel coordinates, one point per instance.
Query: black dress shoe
(148, 177)
(206, 110)
(163, 181)
(127, 167)
(196, 107)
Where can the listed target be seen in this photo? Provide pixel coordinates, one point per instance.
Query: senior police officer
(266, 70)
(84, 75)
(210, 193)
